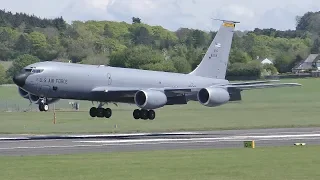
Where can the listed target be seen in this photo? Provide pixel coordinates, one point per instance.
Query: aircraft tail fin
(215, 61)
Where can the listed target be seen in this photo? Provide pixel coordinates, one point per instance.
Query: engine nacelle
(23, 93)
(212, 97)
(150, 99)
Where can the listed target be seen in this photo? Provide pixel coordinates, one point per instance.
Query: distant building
(312, 62)
(316, 62)
(266, 61)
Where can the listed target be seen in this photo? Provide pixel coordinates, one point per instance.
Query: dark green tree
(2, 75)
(136, 20)
(20, 62)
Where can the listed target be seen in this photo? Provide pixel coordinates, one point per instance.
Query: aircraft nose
(20, 79)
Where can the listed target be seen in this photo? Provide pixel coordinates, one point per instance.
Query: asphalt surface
(17, 145)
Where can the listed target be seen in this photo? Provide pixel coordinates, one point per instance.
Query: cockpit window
(37, 70)
(32, 70)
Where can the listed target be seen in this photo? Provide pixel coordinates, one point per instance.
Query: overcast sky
(172, 14)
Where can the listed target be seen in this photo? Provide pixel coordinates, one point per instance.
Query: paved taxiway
(68, 144)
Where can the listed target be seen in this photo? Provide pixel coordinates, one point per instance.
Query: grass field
(276, 163)
(6, 64)
(264, 108)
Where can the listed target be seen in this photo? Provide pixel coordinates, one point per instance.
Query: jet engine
(212, 97)
(150, 99)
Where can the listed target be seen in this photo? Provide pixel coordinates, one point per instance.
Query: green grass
(9, 92)
(276, 163)
(263, 108)
(6, 64)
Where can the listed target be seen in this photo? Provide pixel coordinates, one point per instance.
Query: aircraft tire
(41, 108)
(93, 112)
(136, 114)
(100, 112)
(107, 113)
(144, 114)
(151, 114)
(45, 107)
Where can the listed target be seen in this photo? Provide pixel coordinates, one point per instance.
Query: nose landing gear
(43, 106)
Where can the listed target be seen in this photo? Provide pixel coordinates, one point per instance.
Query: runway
(17, 145)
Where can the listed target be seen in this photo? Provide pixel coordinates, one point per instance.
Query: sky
(173, 14)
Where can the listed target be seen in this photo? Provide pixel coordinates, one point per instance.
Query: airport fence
(25, 106)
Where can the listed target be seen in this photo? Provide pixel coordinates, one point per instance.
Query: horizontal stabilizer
(224, 20)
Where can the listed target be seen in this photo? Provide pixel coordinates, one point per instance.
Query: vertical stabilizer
(215, 61)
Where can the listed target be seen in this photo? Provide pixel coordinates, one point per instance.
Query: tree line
(26, 39)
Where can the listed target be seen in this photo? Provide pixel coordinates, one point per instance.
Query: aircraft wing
(171, 91)
(260, 85)
(130, 91)
(253, 82)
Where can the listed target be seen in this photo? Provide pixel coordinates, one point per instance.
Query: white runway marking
(128, 142)
(219, 139)
(279, 133)
(114, 143)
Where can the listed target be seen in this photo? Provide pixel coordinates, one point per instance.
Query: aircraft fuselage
(76, 81)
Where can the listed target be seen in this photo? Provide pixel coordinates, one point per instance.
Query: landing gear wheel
(144, 114)
(100, 112)
(107, 113)
(46, 107)
(151, 114)
(43, 107)
(136, 114)
(93, 112)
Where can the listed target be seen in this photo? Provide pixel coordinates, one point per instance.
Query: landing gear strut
(144, 114)
(100, 112)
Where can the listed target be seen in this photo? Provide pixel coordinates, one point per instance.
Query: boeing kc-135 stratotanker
(44, 83)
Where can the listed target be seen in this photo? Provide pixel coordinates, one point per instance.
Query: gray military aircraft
(44, 83)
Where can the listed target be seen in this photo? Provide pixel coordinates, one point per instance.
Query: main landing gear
(144, 114)
(100, 112)
(137, 114)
